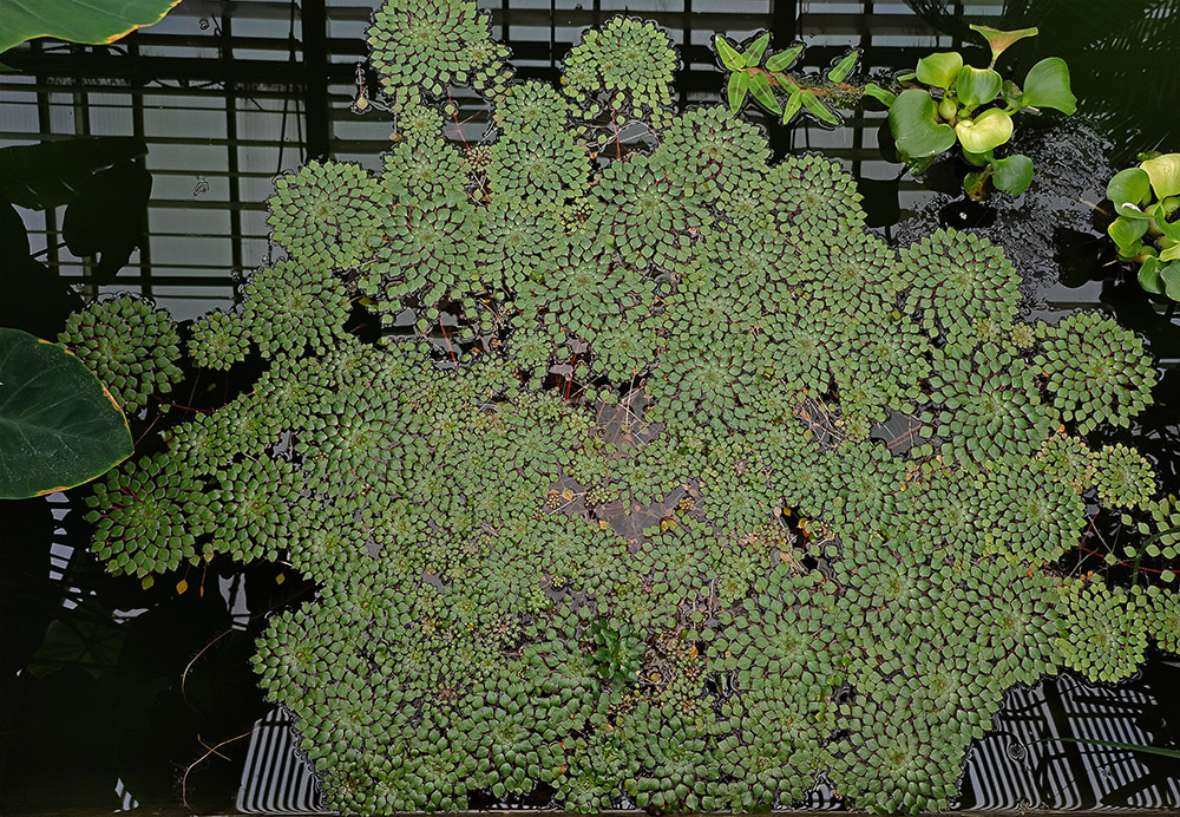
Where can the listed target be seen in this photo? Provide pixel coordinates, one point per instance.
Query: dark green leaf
(1149, 277)
(1013, 174)
(78, 21)
(59, 427)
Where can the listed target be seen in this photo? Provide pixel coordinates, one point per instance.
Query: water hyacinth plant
(603, 507)
(947, 101)
(1146, 227)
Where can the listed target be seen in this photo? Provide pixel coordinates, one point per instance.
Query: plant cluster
(611, 515)
(947, 101)
(1145, 228)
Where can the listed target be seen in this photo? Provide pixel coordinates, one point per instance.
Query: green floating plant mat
(622, 522)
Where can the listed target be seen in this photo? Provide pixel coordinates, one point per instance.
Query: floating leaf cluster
(616, 509)
(130, 345)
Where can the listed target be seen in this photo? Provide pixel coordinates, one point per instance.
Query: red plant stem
(451, 350)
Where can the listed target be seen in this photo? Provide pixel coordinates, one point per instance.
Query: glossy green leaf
(782, 60)
(977, 86)
(729, 55)
(1149, 277)
(1046, 85)
(843, 69)
(1126, 232)
(985, 132)
(1171, 253)
(59, 426)
(753, 53)
(79, 21)
(1013, 174)
(818, 109)
(940, 69)
(882, 95)
(913, 121)
(999, 40)
(1170, 229)
(737, 89)
(1164, 172)
(764, 94)
(1129, 189)
(793, 106)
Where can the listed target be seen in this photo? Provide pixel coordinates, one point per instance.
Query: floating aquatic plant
(614, 510)
(1145, 228)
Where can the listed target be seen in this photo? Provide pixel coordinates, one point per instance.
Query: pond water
(113, 696)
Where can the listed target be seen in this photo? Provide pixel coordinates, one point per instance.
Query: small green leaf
(818, 109)
(843, 69)
(1126, 232)
(764, 94)
(940, 68)
(977, 86)
(753, 53)
(1170, 229)
(1164, 172)
(913, 121)
(985, 132)
(885, 97)
(737, 89)
(1129, 189)
(1171, 253)
(975, 184)
(794, 104)
(1149, 277)
(782, 60)
(999, 40)
(1046, 85)
(1170, 276)
(730, 58)
(1013, 174)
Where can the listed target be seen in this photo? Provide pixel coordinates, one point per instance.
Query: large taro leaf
(80, 21)
(59, 426)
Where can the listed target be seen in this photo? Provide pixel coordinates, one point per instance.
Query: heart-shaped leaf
(985, 132)
(1164, 173)
(782, 60)
(764, 94)
(737, 89)
(913, 121)
(1046, 85)
(754, 51)
(79, 21)
(1149, 277)
(729, 55)
(58, 426)
(977, 86)
(940, 68)
(843, 69)
(1013, 174)
(1126, 232)
(882, 95)
(999, 40)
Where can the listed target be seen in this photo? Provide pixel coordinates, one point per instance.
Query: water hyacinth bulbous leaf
(60, 427)
(917, 131)
(985, 132)
(1164, 172)
(1012, 174)
(1131, 186)
(977, 86)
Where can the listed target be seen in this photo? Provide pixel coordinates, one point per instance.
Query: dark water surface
(109, 693)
